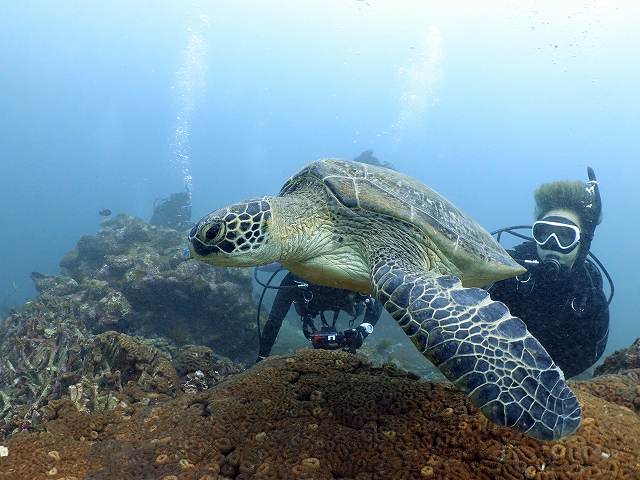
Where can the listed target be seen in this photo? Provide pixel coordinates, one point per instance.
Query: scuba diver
(561, 297)
(311, 301)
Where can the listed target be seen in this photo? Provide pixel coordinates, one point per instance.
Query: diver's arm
(279, 309)
(355, 336)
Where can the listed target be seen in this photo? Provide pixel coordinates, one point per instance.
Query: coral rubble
(317, 415)
(41, 353)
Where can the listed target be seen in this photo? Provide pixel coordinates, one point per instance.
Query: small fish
(104, 213)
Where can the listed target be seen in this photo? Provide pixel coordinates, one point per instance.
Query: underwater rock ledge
(617, 379)
(621, 360)
(317, 415)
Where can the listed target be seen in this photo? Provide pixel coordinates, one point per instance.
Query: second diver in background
(311, 301)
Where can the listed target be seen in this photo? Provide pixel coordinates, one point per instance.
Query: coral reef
(317, 415)
(125, 366)
(625, 359)
(622, 388)
(97, 373)
(141, 364)
(173, 212)
(132, 278)
(156, 292)
(201, 369)
(617, 379)
(42, 351)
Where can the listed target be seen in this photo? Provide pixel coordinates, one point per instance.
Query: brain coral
(622, 388)
(319, 415)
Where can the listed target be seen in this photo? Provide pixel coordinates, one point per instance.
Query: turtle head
(235, 236)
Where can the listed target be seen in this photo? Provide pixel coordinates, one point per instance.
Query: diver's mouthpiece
(551, 267)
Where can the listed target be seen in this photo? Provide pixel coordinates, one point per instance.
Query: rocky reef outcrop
(621, 388)
(621, 360)
(317, 415)
(126, 304)
(147, 287)
(617, 379)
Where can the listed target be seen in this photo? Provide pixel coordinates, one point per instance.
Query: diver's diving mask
(564, 231)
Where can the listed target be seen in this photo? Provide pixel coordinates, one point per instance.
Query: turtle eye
(214, 232)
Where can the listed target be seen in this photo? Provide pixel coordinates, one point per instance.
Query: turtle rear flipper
(478, 345)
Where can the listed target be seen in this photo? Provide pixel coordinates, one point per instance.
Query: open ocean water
(115, 104)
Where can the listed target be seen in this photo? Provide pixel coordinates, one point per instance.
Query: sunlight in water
(190, 85)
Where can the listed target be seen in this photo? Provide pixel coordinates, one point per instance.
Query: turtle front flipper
(478, 345)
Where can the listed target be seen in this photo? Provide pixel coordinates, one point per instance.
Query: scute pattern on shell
(391, 193)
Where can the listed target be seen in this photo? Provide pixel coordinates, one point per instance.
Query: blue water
(115, 104)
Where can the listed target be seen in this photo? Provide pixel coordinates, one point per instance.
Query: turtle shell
(477, 255)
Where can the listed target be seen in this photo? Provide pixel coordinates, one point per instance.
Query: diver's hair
(570, 195)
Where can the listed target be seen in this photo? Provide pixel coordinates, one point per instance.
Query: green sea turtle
(370, 229)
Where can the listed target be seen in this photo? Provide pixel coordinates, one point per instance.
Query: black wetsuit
(311, 302)
(569, 314)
